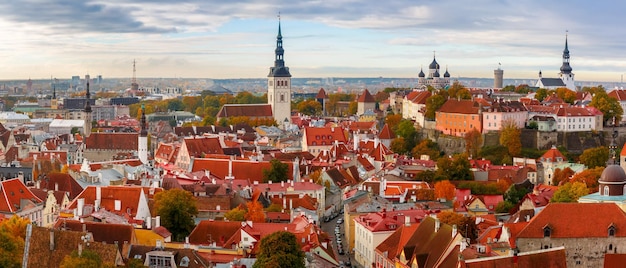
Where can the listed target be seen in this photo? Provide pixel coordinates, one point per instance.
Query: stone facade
(580, 252)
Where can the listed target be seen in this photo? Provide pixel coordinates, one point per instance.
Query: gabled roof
(14, 196)
(197, 147)
(418, 97)
(128, 195)
(366, 97)
(109, 233)
(577, 220)
(65, 242)
(429, 246)
(241, 169)
(394, 243)
(552, 155)
(459, 107)
(316, 136)
(619, 94)
(208, 231)
(386, 133)
(62, 182)
(250, 110)
(552, 82)
(321, 94)
(112, 141)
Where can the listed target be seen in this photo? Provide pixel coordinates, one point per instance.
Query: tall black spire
(279, 69)
(565, 68)
(87, 99)
(144, 129)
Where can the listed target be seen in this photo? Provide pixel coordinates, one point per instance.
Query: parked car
(347, 263)
(340, 251)
(340, 221)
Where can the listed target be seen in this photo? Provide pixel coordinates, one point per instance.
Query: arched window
(611, 231)
(606, 190)
(547, 231)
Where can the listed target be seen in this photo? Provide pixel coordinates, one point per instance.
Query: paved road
(329, 227)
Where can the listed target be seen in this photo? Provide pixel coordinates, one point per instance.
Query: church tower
(279, 85)
(566, 70)
(87, 109)
(143, 138)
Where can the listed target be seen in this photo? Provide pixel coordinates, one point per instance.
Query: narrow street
(329, 227)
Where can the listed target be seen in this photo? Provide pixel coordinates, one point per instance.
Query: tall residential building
(143, 138)
(279, 85)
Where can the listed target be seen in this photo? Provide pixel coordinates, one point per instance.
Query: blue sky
(340, 38)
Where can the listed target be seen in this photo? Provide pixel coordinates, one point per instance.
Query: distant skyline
(341, 38)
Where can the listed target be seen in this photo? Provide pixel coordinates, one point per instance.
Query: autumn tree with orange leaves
(589, 177)
(562, 175)
(255, 212)
(444, 189)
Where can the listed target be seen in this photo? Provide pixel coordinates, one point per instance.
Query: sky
(330, 38)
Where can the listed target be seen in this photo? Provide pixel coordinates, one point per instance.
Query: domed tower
(433, 68)
(446, 78)
(612, 181)
(566, 70)
(421, 80)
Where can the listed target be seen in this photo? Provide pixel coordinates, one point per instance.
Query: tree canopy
(510, 137)
(309, 107)
(279, 249)
(177, 209)
(473, 142)
(589, 177)
(569, 192)
(456, 168)
(278, 171)
(445, 189)
(86, 259)
(594, 157)
(610, 107)
(255, 212)
(236, 214)
(433, 103)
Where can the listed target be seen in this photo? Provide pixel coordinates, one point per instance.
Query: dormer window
(612, 231)
(547, 231)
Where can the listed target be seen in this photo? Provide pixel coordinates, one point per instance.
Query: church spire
(279, 69)
(87, 99)
(144, 129)
(566, 68)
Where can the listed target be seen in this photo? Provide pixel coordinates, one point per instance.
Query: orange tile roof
(614, 260)
(418, 97)
(550, 258)
(209, 231)
(618, 94)
(62, 181)
(552, 155)
(197, 147)
(588, 220)
(396, 241)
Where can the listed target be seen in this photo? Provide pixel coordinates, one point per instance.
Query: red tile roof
(321, 94)
(618, 94)
(198, 147)
(577, 220)
(418, 97)
(316, 136)
(552, 155)
(390, 220)
(112, 141)
(573, 111)
(62, 181)
(549, 258)
(366, 97)
(110, 233)
(386, 133)
(241, 169)
(12, 192)
(250, 110)
(459, 107)
(208, 231)
(128, 195)
(396, 241)
(614, 260)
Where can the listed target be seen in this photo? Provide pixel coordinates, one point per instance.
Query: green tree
(87, 259)
(134, 263)
(458, 91)
(274, 208)
(594, 157)
(398, 145)
(510, 137)
(353, 108)
(609, 107)
(426, 147)
(175, 105)
(455, 168)
(10, 250)
(279, 249)
(236, 214)
(309, 107)
(569, 192)
(433, 103)
(541, 94)
(504, 207)
(406, 130)
(177, 209)
(277, 172)
(515, 194)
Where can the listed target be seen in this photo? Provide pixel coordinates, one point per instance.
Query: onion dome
(421, 74)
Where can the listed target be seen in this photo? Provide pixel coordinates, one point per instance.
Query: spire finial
(433, 54)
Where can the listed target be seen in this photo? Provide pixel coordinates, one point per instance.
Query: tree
(398, 145)
(279, 249)
(177, 209)
(595, 157)
(562, 175)
(510, 137)
(393, 120)
(569, 192)
(353, 108)
(515, 194)
(473, 142)
(444, 189)
(11, 251)
(456, 168)
(236, 214)
(458, 91)
(309, 107)
(426, 147)
(274, 208)
(277, 172)
(255, 212)
(609, 107)
(465, 225)
(566, 95)
(406, 130)
(480, 188)
(589, 177)
(433, 103)
(541, 94)
(86, 259)
(504, 207)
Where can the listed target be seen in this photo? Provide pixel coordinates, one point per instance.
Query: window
(547, 231)
(282, 97)
(606, 190)
(611, 233)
